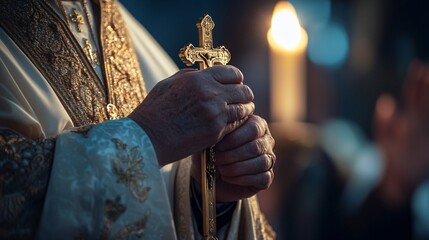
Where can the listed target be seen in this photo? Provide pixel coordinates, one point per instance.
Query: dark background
(380, 38)
(394, 32)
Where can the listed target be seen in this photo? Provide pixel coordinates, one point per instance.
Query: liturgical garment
(73, 166)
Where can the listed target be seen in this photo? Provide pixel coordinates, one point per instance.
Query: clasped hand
(194, 109)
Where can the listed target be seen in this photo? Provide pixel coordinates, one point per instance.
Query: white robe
(84, 179)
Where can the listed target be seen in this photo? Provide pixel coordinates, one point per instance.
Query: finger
(225, 74)
(232, 126)
(260, 181)
(237, 93)
(249, 150)
(252, 166)
(255, 127)
(236, 112)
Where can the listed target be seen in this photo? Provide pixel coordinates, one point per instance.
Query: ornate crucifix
(207, 56)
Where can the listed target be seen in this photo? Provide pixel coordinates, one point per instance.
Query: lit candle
(288, 42)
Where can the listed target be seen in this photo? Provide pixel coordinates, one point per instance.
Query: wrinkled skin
(244, 161)
(194, 109)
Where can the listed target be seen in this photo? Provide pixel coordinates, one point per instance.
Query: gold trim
(76, 18)
(126, 88)
(47, 41)
(182, 206)
(37, 28)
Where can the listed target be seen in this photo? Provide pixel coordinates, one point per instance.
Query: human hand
(403, 135)
(244, 161)
(192, 110)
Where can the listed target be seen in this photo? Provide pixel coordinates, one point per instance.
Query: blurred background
(318, 97)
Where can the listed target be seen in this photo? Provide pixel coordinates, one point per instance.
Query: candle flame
(285, 27)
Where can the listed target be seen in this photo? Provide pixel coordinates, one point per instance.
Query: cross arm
(191, 54)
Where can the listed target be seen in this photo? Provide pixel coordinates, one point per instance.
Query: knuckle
(272, 141)
(256, 147)
(239, 111)
(248, 93)
(265, 180)
(267, 162)
(262, 147)
(273, 157)
(210, 111)
(264, 123)
(206, 93)
(235, 124)
(238, 73)
(256, 129)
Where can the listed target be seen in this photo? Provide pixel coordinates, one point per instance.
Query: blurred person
(353, 188)
(402, 134)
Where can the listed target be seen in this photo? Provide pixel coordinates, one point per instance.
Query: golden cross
(207, 56)
(77, 18)
(90, 53)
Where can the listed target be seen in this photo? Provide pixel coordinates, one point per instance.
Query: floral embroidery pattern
(135, 229)
(24, 172)
(128, 167)
(113, 209)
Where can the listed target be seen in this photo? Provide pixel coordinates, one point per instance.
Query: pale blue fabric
(83, 179)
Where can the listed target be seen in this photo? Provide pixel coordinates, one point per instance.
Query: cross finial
(206, 55)
(77, 18)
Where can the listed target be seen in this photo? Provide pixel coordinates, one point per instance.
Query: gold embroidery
(126, 89)
(47, 41)
(113, 209)
(135, 229)
(128, 168)
(77, 18)
(262, 227)
(182, 205)
(90, 53)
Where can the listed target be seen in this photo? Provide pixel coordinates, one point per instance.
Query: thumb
(225, 74)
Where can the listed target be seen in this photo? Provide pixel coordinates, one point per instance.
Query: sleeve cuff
(105, 182)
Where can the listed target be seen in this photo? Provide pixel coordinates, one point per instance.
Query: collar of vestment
(38, 27)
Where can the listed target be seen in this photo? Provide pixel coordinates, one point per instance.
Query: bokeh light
(328, 45)
(313, 12)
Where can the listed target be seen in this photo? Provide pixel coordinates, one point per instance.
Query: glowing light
(313, 12)
(329, 45)
(286, 31)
